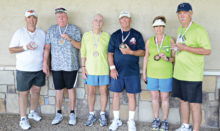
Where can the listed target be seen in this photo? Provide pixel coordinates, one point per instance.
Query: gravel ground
(9, 122)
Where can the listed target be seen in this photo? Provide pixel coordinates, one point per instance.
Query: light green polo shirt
(161, 69)
(95, 65)
(189, 66)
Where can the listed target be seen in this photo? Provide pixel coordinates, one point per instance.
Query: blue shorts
(97, 80)
(131, 84)
(163, 85)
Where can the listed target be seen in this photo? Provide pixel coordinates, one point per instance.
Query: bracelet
(112, 67)
(25, 47)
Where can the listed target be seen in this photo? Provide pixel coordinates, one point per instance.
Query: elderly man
(193, 43)
(28, 44)
(63, 40)
(125, 47)
(95, 68)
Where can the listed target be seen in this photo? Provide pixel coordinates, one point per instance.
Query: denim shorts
(97, 80)
(163, 85)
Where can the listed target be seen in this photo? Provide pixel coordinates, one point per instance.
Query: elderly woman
(157, 71)
(95, 68)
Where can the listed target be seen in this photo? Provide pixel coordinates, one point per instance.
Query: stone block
(41, 100)
(82, 108)
(11, 89)
(80, 93)
(174, 116)
(50, 82)
(3, 88)
(65, 93)
(212, 115)
(209, 84)
(211, 96)
(174, 102)
(2, 95)
(97, 106)
(52, 92)
(12, 103)
(214, 103)
(145, 111)
(2, 106)
(80, 80)
(52, 100)
(218, 82)
(46, 100)
(48, 109)
(44, 90)
(7, 78)
(145, 95)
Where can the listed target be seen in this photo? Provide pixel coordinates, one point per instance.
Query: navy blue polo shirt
(126, 65)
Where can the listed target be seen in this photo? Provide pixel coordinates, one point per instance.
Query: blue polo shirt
(126, 65)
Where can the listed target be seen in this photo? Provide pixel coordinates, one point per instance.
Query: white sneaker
(35, 116)
(58, 118)
(131, 125)
(24, 124)
(115, 124)
(72, 120)
(183, 128)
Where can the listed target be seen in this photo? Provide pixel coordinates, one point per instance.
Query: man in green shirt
(192, 45)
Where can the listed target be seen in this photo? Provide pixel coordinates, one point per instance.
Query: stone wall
(47, 104)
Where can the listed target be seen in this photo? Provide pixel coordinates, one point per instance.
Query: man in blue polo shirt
(125, 47)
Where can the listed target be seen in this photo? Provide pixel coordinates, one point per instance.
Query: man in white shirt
(28, 44)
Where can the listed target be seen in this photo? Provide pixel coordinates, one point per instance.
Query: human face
(31, 21)
(98, 22)
(62, 19)
(159, 30)
(185, 17)
(125, 22)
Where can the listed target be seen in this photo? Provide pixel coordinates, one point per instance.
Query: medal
(32, 36)
(95, 53)
(180, 38)
(122, 45)
(62, 41)
(157, 57)
(33, 44)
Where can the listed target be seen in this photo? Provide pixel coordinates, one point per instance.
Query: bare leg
(59, 98)
(184, 106)
(155, 103)
(72, 98)
(131, 102)
(116, 101)
(165, 104)
(196, 115)
(104, 97)
(23, 101)
(35, 94)
(91, 97)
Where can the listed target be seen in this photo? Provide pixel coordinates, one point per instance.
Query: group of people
(168, 65)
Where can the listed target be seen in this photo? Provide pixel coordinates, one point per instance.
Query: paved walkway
(10, 123)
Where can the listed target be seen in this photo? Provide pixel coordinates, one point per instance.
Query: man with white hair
(192, 44)
(63, 41)
(28, 44)
(125, 47)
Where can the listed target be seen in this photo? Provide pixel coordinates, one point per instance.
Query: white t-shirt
(29, 60)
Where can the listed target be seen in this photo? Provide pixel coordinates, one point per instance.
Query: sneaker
(58, 118)
(91, 120)
(34, 115)
(183, 128)
(115, 124)
(131, 125)
(72, 120)
(156, 124)
(24, 124)
(164, 126)
(102, 120)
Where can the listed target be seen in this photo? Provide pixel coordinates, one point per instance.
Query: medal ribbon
(122, 37)
(180, 36)
(64, 30)
(31, 35)
(96, 43)
(161, 43)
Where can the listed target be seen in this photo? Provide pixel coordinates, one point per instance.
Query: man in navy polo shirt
(125, 47)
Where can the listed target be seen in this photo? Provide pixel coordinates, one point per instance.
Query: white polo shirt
(29, 60)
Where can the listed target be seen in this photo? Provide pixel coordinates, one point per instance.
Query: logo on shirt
(132, 41)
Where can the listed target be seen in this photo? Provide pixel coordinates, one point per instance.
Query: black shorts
(189, 91)
(25, 79)
(65, 79)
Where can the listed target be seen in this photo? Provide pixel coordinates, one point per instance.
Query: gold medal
(157, 57)
(122, 45)
(95, 53)
(61, 42)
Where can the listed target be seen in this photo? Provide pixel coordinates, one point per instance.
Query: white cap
(124, 13)
(158, 22)
(30, 13)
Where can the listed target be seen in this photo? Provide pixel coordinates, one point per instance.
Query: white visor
(158, 22)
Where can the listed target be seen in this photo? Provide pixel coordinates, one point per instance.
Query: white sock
(102, 113)
(186, 125)
(92, 113)
(23, 117)
(32, 111)
(116, 115)
(131, 115)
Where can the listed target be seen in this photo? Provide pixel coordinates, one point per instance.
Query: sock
(92, 113)
(186, 125)
(116, 115)
(32, 111)
(59, 111)
(23, 117)
(72, 111)
(102, 113)
(131, 115)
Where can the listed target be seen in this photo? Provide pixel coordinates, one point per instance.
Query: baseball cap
(184, 7)
(30, 13)
(158, 22)
(60, 10)
(124, 13)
